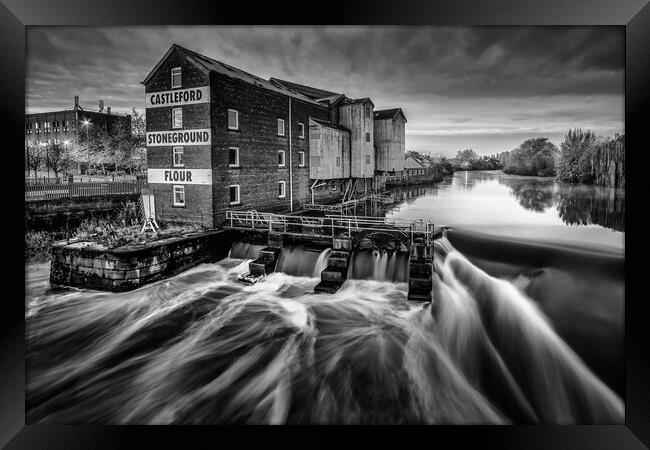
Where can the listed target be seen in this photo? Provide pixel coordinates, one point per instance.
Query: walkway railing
(327, 227)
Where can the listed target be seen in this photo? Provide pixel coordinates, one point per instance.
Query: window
(301, 128)
(234, 194)
(367, 159)
(177, 118)
(367, 137)
(176, 77)
(179, 195)
(178, 156)
(281, 158)
(46, 127)
(338, 161)
(301, 159)
(233, 119)
(66, 125)
(280, 127)
(282, 189)
(368, 109)
(233, 157)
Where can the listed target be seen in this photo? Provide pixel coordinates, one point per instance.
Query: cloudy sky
(485, 88)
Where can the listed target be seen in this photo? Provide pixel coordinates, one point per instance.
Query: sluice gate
(345, 235)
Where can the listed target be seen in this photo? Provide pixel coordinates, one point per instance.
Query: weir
(345, 236)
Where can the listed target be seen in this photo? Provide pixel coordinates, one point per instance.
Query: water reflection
(518, 207)
(468, 180)
(586, 205)
(576, 204)
(535, 195)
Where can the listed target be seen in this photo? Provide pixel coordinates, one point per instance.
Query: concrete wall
(362, 152)
(87, 265)
(390, 144)
(326, 145)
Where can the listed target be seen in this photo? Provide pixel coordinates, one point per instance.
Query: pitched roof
(329, 124)
(308, 91)
(332, 99)
(416, 160)
(352, 101)
(212, 65)
(385, 114)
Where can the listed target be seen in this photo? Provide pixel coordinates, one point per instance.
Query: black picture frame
(634, 15)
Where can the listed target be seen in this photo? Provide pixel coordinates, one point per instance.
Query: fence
(330, 226)
(48, 191)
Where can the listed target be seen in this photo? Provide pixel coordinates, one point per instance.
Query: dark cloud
(474, 77)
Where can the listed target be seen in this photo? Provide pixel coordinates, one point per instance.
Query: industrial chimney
(101, 106)
(76, 101)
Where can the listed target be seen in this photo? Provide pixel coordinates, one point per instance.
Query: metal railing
(49, 191)
(330, 226)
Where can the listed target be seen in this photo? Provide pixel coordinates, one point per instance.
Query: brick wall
(198, 198)
(258, 142)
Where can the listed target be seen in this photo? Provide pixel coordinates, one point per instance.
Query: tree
(58, 158)
(574, 165)
(123, 148)
(466, 156)
(533, 157)
(35, 158)
(445, 166)
(139, 128)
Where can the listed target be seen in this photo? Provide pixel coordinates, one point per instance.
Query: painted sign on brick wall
(178, 97)
(179, 176)
(179, 137)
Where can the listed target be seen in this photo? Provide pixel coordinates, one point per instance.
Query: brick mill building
(221, 139)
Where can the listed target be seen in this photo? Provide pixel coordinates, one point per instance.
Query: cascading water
(245, 250)
(302, 261)
(379, 265)
(200, 348)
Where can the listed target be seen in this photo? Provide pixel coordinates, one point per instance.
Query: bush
(112, 234)
(534, 157)
(38, 245)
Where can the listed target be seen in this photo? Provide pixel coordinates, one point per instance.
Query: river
(526, 326)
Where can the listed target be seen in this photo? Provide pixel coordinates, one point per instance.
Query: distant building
(414, 166)
(59, 126)
(219, 138)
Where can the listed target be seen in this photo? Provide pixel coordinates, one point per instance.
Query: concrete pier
(336, 271)
(268, 256)
(420, 270)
